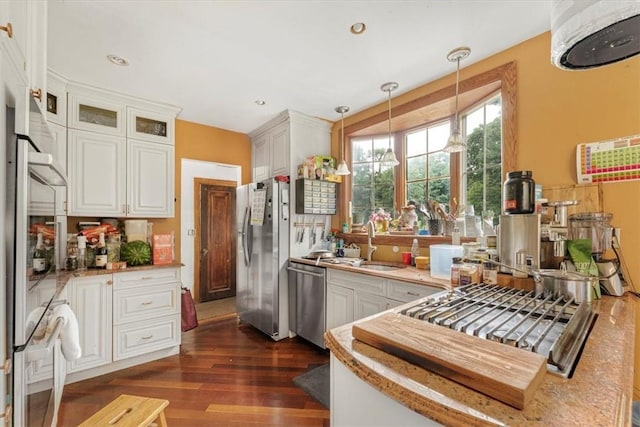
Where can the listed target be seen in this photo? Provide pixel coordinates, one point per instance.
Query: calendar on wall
(609, 161)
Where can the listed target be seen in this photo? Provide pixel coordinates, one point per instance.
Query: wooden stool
(129, 411)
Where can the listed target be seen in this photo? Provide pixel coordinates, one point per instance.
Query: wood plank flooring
(226, 375)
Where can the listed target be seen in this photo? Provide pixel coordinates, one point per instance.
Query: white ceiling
(214, 59)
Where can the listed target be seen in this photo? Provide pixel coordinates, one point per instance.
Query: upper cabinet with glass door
(150, 126)
(102, 114)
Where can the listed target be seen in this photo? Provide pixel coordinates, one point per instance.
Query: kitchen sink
(381, 266)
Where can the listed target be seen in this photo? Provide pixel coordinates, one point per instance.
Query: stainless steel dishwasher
(308, 289)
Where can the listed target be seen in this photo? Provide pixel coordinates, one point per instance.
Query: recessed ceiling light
(358, 28)
(115, 59)
(260, 102)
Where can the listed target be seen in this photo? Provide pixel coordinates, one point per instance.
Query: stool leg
(161, 421)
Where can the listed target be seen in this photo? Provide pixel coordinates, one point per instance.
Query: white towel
(32, 320)
(69, 334)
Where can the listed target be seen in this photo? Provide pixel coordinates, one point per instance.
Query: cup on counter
(435, 226)
(406, 258)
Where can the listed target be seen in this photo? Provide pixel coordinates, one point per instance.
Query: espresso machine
(554, 232)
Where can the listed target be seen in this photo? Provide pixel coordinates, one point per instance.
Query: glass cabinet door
(149, 126)
(95, 115)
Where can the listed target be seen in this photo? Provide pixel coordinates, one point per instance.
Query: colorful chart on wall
(609, 161)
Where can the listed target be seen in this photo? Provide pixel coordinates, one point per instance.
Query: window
(373, 183)
(428, 169)
(420, 127)
(482, 174)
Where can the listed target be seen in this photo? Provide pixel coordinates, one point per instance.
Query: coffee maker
(518, 234)
(554, 233)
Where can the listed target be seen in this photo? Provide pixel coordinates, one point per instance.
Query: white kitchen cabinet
(407, 292)
(150, 187)
(367, 304)
(96, 113)
(150, 126)
(96, 172)
(90, 298)
(279, 147)
(121, 156)
(261, 158)
(146, 311)
(56, 99)
(340, 305)
(283, 143)
(26, 47)
(353, 296)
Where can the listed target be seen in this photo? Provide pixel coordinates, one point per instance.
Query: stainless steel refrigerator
(262, 295)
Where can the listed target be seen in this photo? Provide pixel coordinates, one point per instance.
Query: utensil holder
(435, 227)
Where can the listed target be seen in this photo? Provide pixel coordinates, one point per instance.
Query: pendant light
(342, 167)
(456, 141)
(389, 158)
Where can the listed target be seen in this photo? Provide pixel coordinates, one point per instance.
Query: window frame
(505, 76)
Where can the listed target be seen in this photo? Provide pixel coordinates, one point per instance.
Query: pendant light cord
(342, 135)
(389, 118)
(456, 126)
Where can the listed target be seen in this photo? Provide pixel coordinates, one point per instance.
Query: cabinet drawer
(133, 339)
(403, 291)
(145, 278)
(364, 282)
(145, 302)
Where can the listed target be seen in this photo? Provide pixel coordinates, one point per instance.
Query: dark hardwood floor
(225, 375)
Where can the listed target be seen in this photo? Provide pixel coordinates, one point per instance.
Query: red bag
(189, 317)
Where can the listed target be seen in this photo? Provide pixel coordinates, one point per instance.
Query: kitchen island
(598, 393)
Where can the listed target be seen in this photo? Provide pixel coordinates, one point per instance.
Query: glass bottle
(39, 263)
(455, 271)
(101, 253)
(82, 252)
(415, 251)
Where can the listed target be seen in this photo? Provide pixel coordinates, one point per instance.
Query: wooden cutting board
(508, 374)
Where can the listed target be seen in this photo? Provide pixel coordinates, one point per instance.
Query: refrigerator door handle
(246, 240)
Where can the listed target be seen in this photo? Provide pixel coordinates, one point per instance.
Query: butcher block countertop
(598, 394)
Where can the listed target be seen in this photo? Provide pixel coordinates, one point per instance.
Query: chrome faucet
(371, 233)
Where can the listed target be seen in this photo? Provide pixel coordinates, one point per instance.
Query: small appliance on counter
(554, 235)
(519, 227)
(596, 226)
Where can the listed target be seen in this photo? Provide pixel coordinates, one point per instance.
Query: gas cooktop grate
(554, 328)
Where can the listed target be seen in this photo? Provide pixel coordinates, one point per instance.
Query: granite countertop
(599, 393)
(63, 276)
(406, 273)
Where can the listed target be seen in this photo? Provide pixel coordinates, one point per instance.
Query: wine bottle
(101, 253)
(39, 257)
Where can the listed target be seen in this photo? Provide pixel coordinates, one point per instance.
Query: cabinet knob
(109, 282)
(8, 28)
(37, 93)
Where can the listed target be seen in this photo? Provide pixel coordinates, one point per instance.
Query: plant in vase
(381, 219)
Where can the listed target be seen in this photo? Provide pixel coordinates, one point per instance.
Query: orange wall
(557, 110)
(200, 142)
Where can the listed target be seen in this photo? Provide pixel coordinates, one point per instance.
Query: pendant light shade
(342, 167)
(389, 158)
(456, 142)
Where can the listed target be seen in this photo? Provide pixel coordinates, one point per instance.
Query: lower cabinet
(90, 299)
(352, 296)
(124, 315)
(339, 305)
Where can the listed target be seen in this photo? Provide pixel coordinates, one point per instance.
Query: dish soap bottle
(415, 251)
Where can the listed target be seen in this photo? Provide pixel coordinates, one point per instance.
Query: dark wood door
(217, 242)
